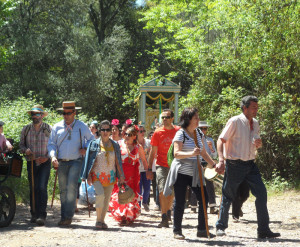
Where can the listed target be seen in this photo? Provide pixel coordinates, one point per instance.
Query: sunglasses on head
(203, 128)
(68, 113)
(36, 114)
(128, 134)
(142, 131)
(166, 117)
(107, 130)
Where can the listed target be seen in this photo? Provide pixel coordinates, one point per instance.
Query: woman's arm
(143, 157)
(179, 154)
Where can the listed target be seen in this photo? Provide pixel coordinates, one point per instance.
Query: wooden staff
(32, 185)
(86, 192)
(54, 187)
(201, 185)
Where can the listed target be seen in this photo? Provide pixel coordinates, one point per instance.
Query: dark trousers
(144, 187)
(180, 188)
(236, 172)
(210, 189)
(41, 175)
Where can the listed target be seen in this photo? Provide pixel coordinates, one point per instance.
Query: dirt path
(284, 214)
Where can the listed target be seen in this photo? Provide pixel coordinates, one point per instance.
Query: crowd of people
(110, 157)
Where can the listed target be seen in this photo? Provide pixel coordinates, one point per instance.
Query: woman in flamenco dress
(131, 153)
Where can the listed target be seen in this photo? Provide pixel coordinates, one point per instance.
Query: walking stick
(86, 192)
(201, 186)
(54, 187)
(32, 185)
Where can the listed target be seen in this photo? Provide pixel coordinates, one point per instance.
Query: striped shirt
(188, 146)
(238, 138)
(36, 141)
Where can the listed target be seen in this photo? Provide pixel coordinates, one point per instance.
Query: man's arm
(52, 146)
(152, 155)
(221, 165)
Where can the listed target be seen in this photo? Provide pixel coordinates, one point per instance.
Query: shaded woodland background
(98, 52)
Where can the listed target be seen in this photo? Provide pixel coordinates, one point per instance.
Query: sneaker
(179, 236)
(203, 234)
(156, 208)
(65, 222)
(235, 219)
(40, 221)
(213, 210)
(268, 234)
(220, 232)
(33, 219)
(164, 221)
(169, 215)
(146, 207)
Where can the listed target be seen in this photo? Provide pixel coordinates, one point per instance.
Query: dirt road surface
(284, 213)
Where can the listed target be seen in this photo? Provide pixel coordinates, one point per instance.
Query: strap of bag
(118, 168)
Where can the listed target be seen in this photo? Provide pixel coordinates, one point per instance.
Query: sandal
(99, 225)
(104, 226)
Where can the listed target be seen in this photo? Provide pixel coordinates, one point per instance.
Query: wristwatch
(149, 169)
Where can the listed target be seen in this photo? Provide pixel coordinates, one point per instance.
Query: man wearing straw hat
(33, 143)
(67, 145)
(212, 151)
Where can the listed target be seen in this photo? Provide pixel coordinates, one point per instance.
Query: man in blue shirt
(66, 146)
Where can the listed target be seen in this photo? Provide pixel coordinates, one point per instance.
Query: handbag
(126, 194)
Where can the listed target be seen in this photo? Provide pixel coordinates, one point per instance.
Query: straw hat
(38, 109)
(68, 105)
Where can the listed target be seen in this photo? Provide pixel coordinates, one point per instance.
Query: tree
(234, 48)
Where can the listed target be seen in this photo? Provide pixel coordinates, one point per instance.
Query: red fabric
(162, 138)
(129, 211)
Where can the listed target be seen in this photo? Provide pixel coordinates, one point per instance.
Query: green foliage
(14, 115)
(236, 48)
(277, 183)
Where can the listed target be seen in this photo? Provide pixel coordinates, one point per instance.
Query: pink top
(238, 138)
(4, 143)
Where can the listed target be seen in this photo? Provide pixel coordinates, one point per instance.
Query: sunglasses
(166, 117)
(128, 134)
(68, 113)
(203, 128)
(105, 130)
(142, 131)
(36, 114)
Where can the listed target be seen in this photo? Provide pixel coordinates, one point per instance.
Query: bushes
(14, 114)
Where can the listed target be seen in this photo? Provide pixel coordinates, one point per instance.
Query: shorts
(161, 178)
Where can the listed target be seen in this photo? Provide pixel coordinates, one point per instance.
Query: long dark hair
(186, 116)
(132, 130)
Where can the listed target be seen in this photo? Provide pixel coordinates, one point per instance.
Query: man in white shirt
(237, 144)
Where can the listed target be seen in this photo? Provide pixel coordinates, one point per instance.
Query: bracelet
(149, 169)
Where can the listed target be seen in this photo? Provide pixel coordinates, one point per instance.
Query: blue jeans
(180, 187)
(41, 175)
(236, 172)
(68, 174)
(144, 187)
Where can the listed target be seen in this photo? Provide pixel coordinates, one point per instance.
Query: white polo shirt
(238, 138)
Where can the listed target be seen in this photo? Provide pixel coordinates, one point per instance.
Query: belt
(64, 160)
